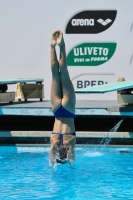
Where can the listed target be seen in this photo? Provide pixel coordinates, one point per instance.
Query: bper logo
(91, 54)
(91, 21)
(89, 83)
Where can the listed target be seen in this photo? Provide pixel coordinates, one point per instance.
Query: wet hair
(62, 153)
(61, 161)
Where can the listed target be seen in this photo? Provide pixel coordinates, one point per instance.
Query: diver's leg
(68, 100)
(56, 92)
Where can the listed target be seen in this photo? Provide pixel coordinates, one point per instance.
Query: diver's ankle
(52, 45)
(61, 44)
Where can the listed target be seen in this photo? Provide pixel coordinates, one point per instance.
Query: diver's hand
(52, 164)
(71, 164)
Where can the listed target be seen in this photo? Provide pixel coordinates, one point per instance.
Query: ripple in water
(93, 154)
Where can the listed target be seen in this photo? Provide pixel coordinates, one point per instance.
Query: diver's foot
(55, 35)
(60, 39)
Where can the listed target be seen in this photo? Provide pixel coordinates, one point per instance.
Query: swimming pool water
(98, 174)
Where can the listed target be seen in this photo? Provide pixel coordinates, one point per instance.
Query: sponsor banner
(91, 54)
(91, 21)
(86, 80)
(98, 39)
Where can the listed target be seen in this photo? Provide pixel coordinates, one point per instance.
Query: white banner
(98, 37)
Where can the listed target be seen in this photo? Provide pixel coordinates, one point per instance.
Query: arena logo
(91, 21)
(91, 54)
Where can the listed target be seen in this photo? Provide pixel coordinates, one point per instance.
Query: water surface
(99, 173)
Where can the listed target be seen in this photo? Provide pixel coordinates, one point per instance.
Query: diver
(63, 137)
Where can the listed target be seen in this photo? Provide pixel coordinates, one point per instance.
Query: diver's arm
(52, 151)
(52, 155)
(71, 154)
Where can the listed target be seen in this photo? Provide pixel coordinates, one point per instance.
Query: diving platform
(27, 88)
(83, 108)
(31, 121)
(21, 80)
(124, 90)
(110, 87)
